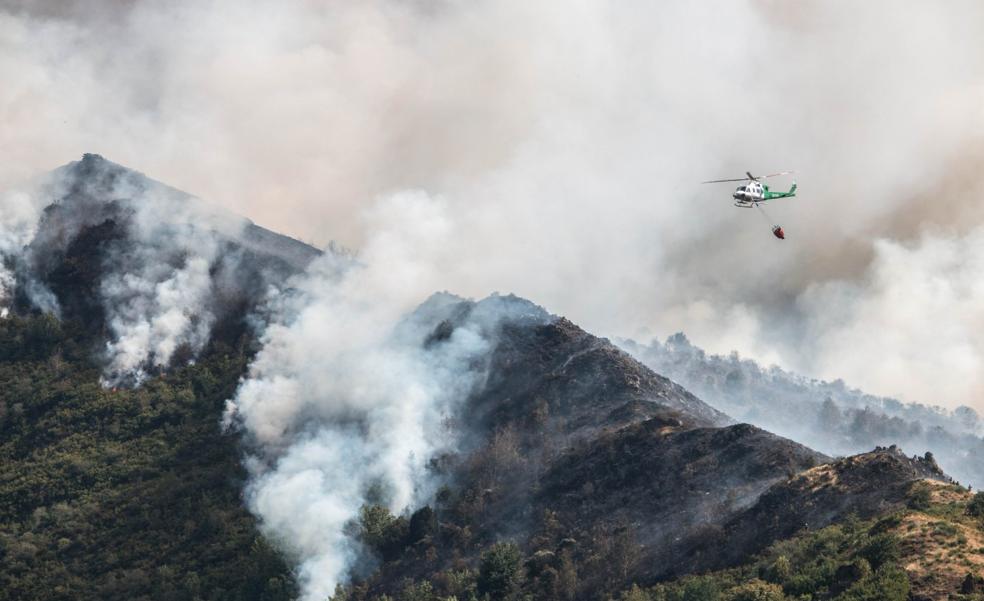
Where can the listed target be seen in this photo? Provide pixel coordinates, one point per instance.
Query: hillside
(600, 473)
(576, 471)
(121, 494)
(926, 548)
(110, 491)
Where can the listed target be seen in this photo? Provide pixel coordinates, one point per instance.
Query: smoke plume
(566, 140)
(158, 284)
(158, 293)
(348, 401)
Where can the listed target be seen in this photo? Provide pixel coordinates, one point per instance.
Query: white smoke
(152, 312)
(566, 137)
(7, 282)
(919, 309)
(345, 398)
(19, 211)
(158, 288)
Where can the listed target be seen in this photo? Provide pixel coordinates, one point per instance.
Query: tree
(976, 506)
(383, 532)
(889, 583)
(623, 553)
(781, 570)
(699, 588)
(423, 591)
(920, 498)
(567, 579)
(881, 549)
(499, 571)
(423, 523)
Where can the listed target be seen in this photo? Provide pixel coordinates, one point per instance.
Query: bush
(499, 571)
(423, 591)
(920, 498)
(693, 588)
(383, 532)
(780, 570)
(423, 523)
(880, 550)
(976, 506)
(849, 574)
(888, 584)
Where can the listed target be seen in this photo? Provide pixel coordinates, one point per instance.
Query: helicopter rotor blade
(718, 181)
(749, 177)
(777, 174)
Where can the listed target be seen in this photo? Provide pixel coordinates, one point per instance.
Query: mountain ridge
(154, 267)
(581, 471)
(688, 490)
(829, 416)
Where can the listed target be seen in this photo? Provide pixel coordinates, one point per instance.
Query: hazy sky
(554, 150)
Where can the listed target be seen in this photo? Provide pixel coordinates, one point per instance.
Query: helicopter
(754, 192)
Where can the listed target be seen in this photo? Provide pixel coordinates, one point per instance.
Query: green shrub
(498, 574)
(920, 498)
(422, 591)
(383, 532)
(780, 570)
(423, 523)
(887, 584)
(976, 506)
(695, 588)
(881, 549)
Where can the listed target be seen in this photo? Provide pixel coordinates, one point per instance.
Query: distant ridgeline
(828, 416)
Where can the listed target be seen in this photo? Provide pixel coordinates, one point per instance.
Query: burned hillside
(593, 465)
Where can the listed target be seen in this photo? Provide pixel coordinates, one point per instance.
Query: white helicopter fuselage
(749, 195)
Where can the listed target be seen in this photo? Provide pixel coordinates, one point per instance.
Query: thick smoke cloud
(918, 310)
(348, 402)
(567, 139)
